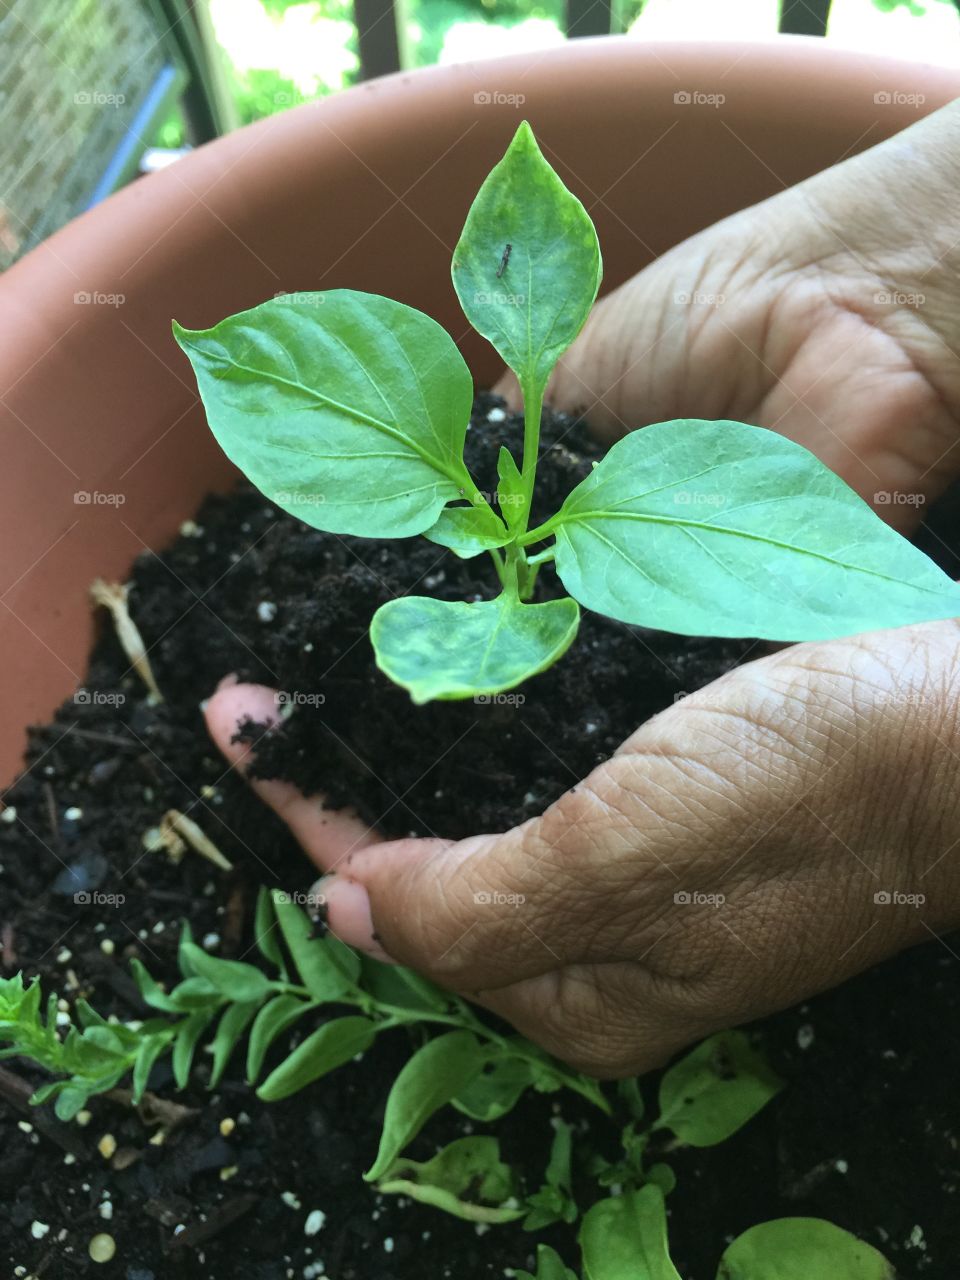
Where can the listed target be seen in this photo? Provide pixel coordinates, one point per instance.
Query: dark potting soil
(865, 1133)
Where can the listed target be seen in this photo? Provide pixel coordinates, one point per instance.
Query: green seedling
(350, 411)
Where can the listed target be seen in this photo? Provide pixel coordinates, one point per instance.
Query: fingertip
(230, 705)
(349, 915)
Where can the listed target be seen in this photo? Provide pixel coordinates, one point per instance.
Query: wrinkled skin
(735, 854)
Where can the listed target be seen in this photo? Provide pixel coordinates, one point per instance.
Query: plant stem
(532, 410)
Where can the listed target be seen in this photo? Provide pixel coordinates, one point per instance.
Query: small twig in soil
(113, 596)
(18, 1093)
(175, 832)
(8, 946)
(225, 1216)
(154, 1110)
(51, 804)
(110, 739)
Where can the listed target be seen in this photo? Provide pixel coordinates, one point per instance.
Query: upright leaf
(550, 1266)
(235, 1020)
(801, 1249)
(527, 267)
(149, 1050)
(346, 409)
(449, 649)
(435, 1074)
(329, 1047)
(275, 1017)
(625, 1238)
(466, 1178)
(722, 529)
(185, 1045)
(510, 488)
(713, 1091)
(266, 930)
(316, 964)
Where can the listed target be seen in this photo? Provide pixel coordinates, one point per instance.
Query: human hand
(724, 863)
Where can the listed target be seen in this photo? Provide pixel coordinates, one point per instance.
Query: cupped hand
(799, 819)
(787, 826)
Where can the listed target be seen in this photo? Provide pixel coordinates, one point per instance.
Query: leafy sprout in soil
(703, 1099)
(350, 411)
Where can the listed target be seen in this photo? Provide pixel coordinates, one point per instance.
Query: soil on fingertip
(866, 1133)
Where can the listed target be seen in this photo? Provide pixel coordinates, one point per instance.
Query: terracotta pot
(368, 189)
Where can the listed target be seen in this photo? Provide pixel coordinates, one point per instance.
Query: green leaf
(625, 1238)
(468, 531)
(185, 1045)
(151, 991)
(799, 1249)
(496, 1090)
(530, 300)
(721, 529)
(266, 932)
(550, 1266)
(449, 649)
(629, 1091)
(195, 993)
(554, 1201)
(467, 1178)
(510, 493)
(73, 1098)
(148, 1052)
(316, 963)
(275, 1017)
(235, 1020)
(662, 1176)
(391, 984)
(346, 409)
(715, 1090)
(327, 1048)
(231, 978)
(435, 1074)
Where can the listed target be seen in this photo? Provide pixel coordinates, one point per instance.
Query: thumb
(482, 913)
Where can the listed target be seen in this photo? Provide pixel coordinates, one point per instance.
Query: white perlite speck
(314, 1223)
(290, 1200)
(39, 1229)
(73, 813)
(266, 611)
(9, 814)
(388, 1245)
(805, 1036)
(496, 415)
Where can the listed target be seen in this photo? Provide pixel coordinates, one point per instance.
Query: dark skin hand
(799, 819)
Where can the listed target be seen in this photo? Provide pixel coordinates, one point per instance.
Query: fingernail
(348, 914)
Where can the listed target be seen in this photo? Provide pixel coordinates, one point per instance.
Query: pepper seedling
(350, 411)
